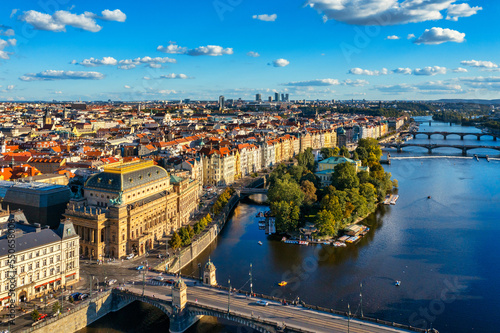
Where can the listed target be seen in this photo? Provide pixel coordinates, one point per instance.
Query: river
(444, 250)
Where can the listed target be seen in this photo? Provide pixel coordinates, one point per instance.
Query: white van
(130, 256)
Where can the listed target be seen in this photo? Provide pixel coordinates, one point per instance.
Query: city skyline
(360, 49)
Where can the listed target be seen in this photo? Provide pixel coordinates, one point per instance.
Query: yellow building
(124, 210)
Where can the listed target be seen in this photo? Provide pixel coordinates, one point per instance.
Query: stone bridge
(192, 312)
(446, 134)
(431, 147)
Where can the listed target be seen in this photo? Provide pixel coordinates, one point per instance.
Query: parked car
(83, 296)
(75, 296)
(262, 303)
(42, 316)
(159, 278)
(130, 256)
(170, 281)
(140, 268)
(111, 282)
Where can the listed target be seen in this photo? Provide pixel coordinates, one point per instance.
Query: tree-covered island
(332, 199)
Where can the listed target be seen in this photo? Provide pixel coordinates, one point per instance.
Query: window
(37, 253)
(30, 267)
(51, 249)
(37, 264)
(22, 269)
(51, 260)
(44, 251)
(22, 257)
(30, 255)
(44, 262)
(58, 258)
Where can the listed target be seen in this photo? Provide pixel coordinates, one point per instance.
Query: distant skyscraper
(221, 103)
(270, 99)
(283, 98)
(258, 97)
(276, 97)
(287, 98)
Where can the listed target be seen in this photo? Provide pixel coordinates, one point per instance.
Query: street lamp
(229, 295)
(348, 317)
(251, 284)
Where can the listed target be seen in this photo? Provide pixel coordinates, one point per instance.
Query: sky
(312, 49)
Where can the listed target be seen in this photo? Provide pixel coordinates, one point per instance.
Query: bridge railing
(326, 310)
(246, 317)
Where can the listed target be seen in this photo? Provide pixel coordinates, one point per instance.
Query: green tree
(312, 178)
(198, 227)
(190, 231)
(56, 308)
(345, 152)
(332, 204)
(362, 154)
(344, 176)
(326, 153)
(306, 159)
(395, 183)
(175, 242)
(287, 216)
(286, 190)
(336, 151)
(371, 146)
(309, 192)
(185, 237)
(35, 315)
(368, 191)
(326, 224)
(355, 156)
(296, 172)
(208, 218)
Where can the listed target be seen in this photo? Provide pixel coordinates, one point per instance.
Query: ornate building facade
(124, 210)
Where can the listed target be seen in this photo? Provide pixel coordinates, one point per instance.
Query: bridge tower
(179, 295)
(209, 278)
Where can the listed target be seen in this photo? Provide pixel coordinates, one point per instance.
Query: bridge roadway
(295, 317)
(431, 146)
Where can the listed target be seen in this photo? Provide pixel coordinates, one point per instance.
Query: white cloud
(7, 33)
(388, 12)
(434, 70)
(209, 50)
(360, 71)
(3, 44)
(392, 37)
(106, 61)
(313, 83)
(61, 75)
(461, 10)
(175, 76)
(436, 36)
(479, 63)
(432, 87)
(172, 49)
(13, 12)
(126, 87)
(10, 87)
(480, 82)
(58, 92)
(82, 21)
(355, 83)
(167, 92)
(113, 15)
(265, 17)
(151, 62)
(460, 70)
(405, 71)
(281, 62)
(58, 21)
(411, 36)
(253, 54)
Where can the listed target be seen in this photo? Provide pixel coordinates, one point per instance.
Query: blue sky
(314, 49)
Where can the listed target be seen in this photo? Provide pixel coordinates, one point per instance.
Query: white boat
(387, 200)
(260, 243)
(394, 199)
(397, 283)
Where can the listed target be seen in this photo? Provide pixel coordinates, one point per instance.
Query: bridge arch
(253, 323)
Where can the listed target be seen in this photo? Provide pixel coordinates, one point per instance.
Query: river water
(444, 250)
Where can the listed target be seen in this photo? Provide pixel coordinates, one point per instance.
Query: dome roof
(179, 284)
(209, 266)
(127, 176)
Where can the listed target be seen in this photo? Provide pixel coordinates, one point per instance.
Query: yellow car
(282, 283)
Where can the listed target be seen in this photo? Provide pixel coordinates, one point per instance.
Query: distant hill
(473, 101)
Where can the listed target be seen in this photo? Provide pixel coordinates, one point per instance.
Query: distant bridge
(446, 134)
(249, 191)
(430, 147)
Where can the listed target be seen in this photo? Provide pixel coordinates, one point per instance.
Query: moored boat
(394, 199)
(387, 199)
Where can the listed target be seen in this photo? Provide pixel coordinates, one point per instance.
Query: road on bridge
(292, 316)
